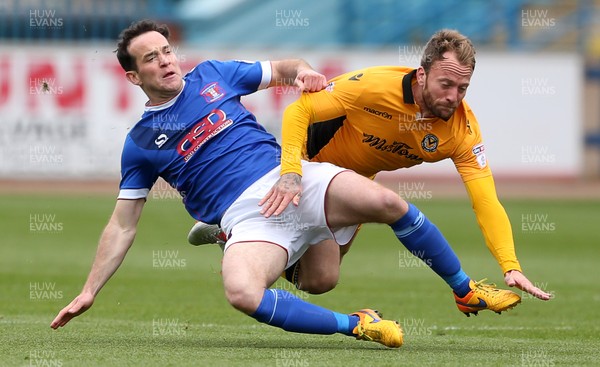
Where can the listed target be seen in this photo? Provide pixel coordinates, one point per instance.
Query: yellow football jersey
(372, 112)
(368, 121)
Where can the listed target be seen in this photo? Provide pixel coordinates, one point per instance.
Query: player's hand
(287, 189)
(310, 81)
(515, 278)
(78, 306)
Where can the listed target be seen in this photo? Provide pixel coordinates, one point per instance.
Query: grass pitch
(165, 305)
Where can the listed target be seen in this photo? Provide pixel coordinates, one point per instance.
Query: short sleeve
(245, 77)
(137, 173)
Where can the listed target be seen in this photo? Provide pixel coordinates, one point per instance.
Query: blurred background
(65, 106)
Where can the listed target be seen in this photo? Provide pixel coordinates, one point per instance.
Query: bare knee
(248, 270)
(390, 206)
(243, 297)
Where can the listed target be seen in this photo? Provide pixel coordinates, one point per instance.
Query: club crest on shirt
(430, 143)
(212, 92)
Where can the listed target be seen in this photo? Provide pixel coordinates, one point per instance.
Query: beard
(441, 111)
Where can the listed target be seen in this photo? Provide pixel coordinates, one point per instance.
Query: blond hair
(448, 40)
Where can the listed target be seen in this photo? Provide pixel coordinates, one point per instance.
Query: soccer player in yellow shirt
(391, 117)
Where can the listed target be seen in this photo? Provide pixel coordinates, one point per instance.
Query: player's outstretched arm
(497, 231)
(116, 239)
(297, 72)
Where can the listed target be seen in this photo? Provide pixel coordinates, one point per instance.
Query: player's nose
(452, 95)
(163, 59)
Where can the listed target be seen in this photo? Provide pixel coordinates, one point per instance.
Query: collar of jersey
(407, 87)
(167, 104)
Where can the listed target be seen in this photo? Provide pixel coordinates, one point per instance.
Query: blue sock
(425, 241)
(284, 310)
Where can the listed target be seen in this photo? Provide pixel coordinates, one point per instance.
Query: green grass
(149, 315)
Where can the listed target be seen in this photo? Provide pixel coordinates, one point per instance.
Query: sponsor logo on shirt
(373, 111)
(396, 147)
(212, 92)
(478, 149)
(161, 140)
(215, 122)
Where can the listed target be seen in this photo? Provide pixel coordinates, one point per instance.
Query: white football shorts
(298, 226)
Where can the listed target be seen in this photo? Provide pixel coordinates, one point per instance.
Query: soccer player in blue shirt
(223, 162)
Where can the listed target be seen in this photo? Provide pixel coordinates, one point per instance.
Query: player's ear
(133, 77)
(421, 76)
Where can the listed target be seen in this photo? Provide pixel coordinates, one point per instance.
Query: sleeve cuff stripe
(266, 74)
(133, 193)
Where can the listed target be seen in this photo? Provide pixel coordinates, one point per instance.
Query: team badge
(479, 152)
(212, 92)
(430, 143)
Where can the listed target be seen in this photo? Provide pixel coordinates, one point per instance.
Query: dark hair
(448, 40)
(135, 29)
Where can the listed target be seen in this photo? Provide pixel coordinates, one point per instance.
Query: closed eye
(150, 57)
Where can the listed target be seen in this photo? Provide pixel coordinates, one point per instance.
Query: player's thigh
(325, 254)
(248, 269)
(353, 199)
(344, 249)
(320, 262)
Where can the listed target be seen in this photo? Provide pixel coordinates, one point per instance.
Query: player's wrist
(290, 174)
(509, 272)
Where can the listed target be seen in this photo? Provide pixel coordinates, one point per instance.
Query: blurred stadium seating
(74, 20)
(334, 22)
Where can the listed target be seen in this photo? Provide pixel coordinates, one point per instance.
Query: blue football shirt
(203, 142)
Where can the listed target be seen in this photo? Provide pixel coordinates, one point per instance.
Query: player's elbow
(486, 203)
